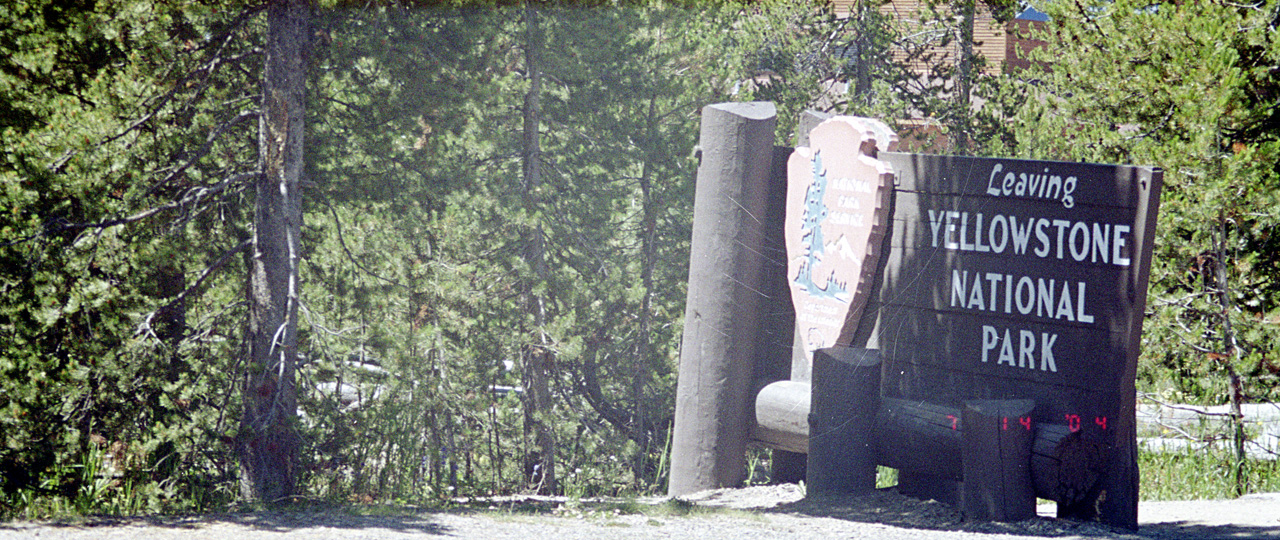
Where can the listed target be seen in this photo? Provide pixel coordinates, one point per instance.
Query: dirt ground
(761, 512)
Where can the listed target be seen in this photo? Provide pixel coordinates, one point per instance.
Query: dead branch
(192, 196)
(145, 326)
(204, 148)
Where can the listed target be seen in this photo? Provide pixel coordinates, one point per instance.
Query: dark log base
(846, 394)
(988, 458)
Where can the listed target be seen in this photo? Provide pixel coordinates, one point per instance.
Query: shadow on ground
(887, 507)
(1166, 521)
(343, 518)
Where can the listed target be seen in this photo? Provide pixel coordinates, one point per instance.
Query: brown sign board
(1011, 279)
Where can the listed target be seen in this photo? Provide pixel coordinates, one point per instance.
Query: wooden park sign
(989, 313)
(1023, 280)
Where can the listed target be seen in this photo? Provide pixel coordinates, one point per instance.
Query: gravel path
(742, 514)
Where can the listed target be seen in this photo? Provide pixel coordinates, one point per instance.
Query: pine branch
(219, 43)
(192, 196)
(145, 326)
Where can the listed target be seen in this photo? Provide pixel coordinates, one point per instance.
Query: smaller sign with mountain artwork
(837, 210)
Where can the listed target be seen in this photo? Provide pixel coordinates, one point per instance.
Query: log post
(775, 346)
(722, 316)
(845, 399)
(996, 450)
(1066, 466)
(774, 342)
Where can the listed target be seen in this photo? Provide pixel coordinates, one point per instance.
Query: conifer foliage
(129, 134)
(448, 258)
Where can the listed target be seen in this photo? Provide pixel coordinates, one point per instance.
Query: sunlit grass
(886, 477)
(1201, 474)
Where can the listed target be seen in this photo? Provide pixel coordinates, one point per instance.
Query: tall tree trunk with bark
(268, 444)
(964, 76)
(537, 357)
(642, 366)
(861, 68)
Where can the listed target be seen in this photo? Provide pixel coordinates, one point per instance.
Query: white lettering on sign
(1002, 293)
(1040, 186)
(1020, 349)
(1058, 239)
(1048, 239)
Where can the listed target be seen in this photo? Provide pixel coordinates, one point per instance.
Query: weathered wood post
(996, 451)
(722, 319)
(842, 421)
(1066, 466)
(775, 346)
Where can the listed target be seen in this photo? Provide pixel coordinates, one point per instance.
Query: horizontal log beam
(782, 416)
(919, 437)
(925, 440)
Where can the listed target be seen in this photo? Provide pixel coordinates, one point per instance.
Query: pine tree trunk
(861, 69)
(537, 357)
(964, 76)
(268, 443)
(1232, 355)
(642, 366)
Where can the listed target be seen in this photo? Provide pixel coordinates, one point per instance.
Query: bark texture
(538, 358)
(268, 443)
